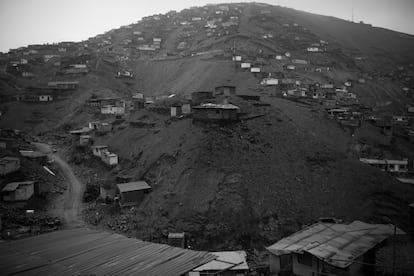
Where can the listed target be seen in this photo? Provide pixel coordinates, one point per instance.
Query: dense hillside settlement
(251, 131)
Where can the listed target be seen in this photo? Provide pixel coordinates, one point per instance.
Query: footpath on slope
(70, 207)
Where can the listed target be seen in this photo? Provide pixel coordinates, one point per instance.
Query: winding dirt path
(70, 208)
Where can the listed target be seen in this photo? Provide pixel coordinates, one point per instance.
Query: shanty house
(329, 249)
(269, 81)
(63, 85)
(99, 150)
(228, 263)
(18, 191)
(225, 90)
(216, 112)
(245, 65)
(45, 98)
(113, 109)
(109, 158)
(237, 58)
(393, 166)
(9, 165)
(177, 239)
(132, 193)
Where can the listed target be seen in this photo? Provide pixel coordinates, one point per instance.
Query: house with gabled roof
(330, 249)
(216, 112)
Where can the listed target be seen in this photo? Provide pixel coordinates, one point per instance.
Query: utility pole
(393, 249)
(352, 14)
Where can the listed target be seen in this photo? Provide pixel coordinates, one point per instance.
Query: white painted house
(245, 65)
(269, 81)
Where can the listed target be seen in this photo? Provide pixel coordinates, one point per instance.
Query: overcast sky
(24, 22)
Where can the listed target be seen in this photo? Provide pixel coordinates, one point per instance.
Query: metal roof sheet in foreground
(84, 251)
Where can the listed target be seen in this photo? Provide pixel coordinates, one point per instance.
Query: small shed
(216, 112)
(132, 193)
(18, 191)
(9, 165)
(177, 239)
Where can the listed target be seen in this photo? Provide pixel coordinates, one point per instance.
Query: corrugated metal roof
(225, 260)
(133, 186)
(10, 187)
(32, 154)
(216, 106)
(84, 251)
(336, 244)
(176, 235)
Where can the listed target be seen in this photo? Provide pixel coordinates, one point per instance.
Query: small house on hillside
(237, 58)
(9, 165)
(99, 150)
(109, 158)
(387, 165)
(330, 249)
(117, 109)
(215, 112)
(63, 85)
(245, 65)
(269, 81)
(228, 263)
(132, 193)
(101, 127)
(225, 90)
(45, 98)
(18, 191)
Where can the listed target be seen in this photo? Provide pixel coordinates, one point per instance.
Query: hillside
(227, 185)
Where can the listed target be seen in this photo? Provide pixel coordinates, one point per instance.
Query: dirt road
(71, 206)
